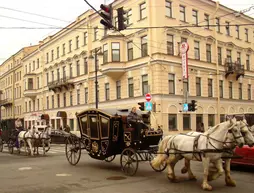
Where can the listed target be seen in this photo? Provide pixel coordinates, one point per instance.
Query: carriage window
(104, 127)
(93, 127)
(84, 125)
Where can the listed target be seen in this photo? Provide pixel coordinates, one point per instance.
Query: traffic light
(194, 105)
(122, 18)
(107, 15)
(190, 107)
(142, 106)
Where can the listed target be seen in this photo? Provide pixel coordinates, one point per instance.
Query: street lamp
(97, 52)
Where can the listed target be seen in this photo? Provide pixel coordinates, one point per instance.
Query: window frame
(142, 11)
(173, 116)
(197, 50)
(170, 44)
(168, 5)
(144, 46)
(107, 91)
(117, 50)
(130, 50)
(198, 86)
(145, 83)
(209, 53)
(130, 87)
(171, 82)
(182, 13)
(210, 87)
(195, 16)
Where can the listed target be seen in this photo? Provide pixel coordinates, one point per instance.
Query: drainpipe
(217, 65)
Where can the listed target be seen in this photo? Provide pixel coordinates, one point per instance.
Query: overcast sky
(64, 12)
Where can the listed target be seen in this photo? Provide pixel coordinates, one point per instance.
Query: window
(210, 87)
(229, 57)
(195, 17)
(240, 91)
(246, 35)
(58, 74)
(71, 99)
(208, 53)
(196, 50)
(116, 22)
(63, 49)
(52, 55)
(58, 100)
(142, 10)
(104, 122)
(47, 78)
(96, 33)
(118, 89)
(78, 67)
(85, 38)
(169, 8)
(38, 82)
(78, 97)
(221, 88)
(198, 86)
(105, 53)
(129, 14)
(52, 76)
(237, 31)
(131, 87)
(171, 83)
(85, 66)
(145, 84)
(182, 13)
(86, 95)
(199, 121)
(93, 121)
(130, 50)
(170, 44)
(207, 21)
(30, 106)
(144, 51)
(70, 45)
(227, 28)
(64, 72)
(218, 25)
(38, 104)
(186, 122)
(107, 94)
(71, 74)
(38, 63)
(64, 99)
(183, 39)
(249, 91)
(47, 61)
(115, 52)
(219, 56)
(238, 59)
(230, 89)
(248, 62)
(57, 52)
(222, 118)
(77, 42)
(211, 120)
(172, 122)
(53, 101)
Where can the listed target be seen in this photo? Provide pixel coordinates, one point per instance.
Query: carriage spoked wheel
(110, 158)
(1, 145)
(161, 168)
(129, 161)
(73, 150)
(11, 146)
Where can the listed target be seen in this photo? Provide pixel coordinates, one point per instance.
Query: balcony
(234, 68)
(63, 83)
(31, 93)
(6, 102)
(115, 70)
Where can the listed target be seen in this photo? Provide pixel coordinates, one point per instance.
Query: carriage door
(104, 134)
(93, 128)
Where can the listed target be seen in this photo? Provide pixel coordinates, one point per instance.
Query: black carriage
(106, 133)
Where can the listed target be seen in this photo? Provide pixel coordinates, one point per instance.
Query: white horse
(249, 140)
(27, 137)
(43, 138)
(208, 146)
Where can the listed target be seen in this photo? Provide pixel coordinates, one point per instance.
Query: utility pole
(96, 80)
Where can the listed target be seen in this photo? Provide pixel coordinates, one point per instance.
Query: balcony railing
(64, 82)
(234, 68)
(30, 92)
(6, 102)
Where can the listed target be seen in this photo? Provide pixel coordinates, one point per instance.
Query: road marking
(25, 168)
(63, 175)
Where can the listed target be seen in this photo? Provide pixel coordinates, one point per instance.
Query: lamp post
(97, 52)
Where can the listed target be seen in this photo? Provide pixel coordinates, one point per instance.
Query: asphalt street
(53, 174)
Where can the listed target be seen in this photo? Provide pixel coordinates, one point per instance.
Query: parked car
(247, 154)
(58, 136)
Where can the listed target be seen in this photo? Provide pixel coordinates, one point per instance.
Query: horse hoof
(207, 187)
(184, 170)
(230, 183)
(174, 179)
(193, 178)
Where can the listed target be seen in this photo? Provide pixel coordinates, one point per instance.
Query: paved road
(52, 174)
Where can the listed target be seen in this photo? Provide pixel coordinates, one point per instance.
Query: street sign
(148, 97)
(184, 50)
(185, 107)
(148, 106)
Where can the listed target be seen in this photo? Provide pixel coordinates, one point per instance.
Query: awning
(45, 116)
(61, 114)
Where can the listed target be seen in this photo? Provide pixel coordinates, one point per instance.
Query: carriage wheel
(11, 146)
(129, 161)
(1, 145)
(110, 159)
(162, 166)
(73, 150)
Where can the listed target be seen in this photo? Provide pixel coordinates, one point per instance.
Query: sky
(58, 13)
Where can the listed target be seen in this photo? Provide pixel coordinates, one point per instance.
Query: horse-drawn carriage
(106, 133)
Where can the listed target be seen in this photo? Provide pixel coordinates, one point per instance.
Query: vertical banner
(184, 52)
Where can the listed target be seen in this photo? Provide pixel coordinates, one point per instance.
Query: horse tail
(160, 157)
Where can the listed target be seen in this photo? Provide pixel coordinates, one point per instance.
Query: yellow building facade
(59, 76)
